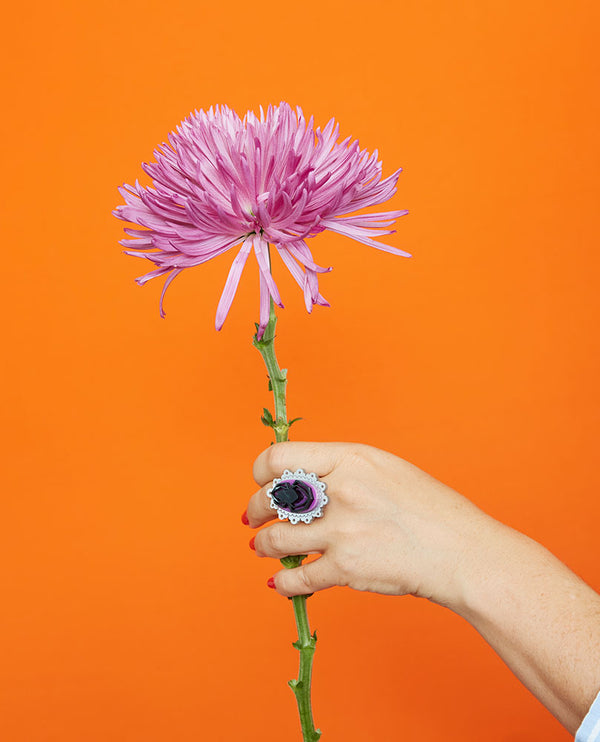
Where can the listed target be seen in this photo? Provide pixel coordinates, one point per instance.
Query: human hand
(388, 528)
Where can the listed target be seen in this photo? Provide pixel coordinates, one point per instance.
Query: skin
(390, 528)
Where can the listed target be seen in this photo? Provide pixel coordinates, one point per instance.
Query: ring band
(298, 496)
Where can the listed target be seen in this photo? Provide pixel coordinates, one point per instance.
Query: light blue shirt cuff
(589, 731)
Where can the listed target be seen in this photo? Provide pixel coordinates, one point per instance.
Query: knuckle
(304, 579)
(265, 462)
(274, 457)
(260, 502)
(258, 510)
(355, 452)
(275, 538)
(255, 469)
(252, 510)
(342, 573)
(354, 462)
(342, 561)
(269, 457)
(346, 533)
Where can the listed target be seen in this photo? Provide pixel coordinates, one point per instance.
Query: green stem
(306, 642)
(277, 376)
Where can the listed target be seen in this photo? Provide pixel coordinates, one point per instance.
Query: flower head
(222, 181)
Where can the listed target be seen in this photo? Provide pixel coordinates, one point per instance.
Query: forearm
(540, 618)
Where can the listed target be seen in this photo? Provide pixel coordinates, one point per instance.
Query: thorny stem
(306, 642)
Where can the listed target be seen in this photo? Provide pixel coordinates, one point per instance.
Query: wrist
(483, 545)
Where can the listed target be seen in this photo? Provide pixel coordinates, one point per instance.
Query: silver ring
(298, 496)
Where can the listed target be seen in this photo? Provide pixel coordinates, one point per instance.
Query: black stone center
(296, 496)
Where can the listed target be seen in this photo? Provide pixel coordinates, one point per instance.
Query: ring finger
(259, 509)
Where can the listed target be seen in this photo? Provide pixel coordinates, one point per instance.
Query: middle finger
(285, 539)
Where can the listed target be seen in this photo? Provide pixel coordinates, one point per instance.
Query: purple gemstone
(294, 495)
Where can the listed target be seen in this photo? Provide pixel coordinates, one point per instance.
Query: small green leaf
(267, 418)
(295, 420)
(315, 636)
(270, 385)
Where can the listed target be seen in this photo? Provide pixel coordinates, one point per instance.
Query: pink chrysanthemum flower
(222, 181)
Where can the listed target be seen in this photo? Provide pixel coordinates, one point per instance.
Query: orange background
(133, 609)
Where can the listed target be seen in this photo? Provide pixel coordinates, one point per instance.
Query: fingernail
(271, 583)
(251, 543)
(245, 517)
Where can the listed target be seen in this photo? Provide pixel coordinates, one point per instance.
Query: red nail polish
(271, 583)
(245, 517)
(251, 543)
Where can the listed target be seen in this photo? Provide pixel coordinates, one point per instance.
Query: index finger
(320, 458)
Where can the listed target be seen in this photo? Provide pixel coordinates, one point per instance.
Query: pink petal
(298, 273)
(311, 289)
(141, 280)
(233, 279)
(383, 219)
(168, 282)
(261, 249)
(357, 235)
(301, 251)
